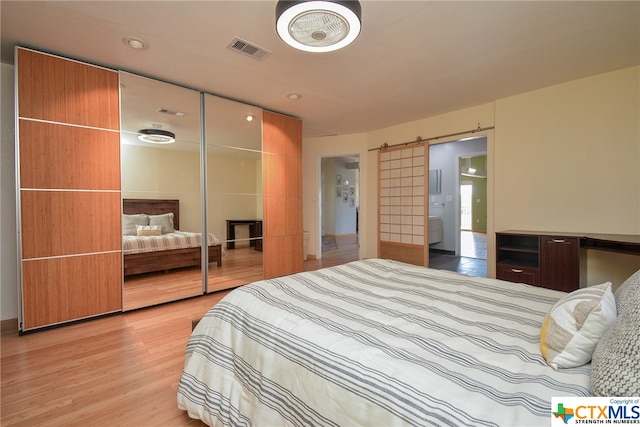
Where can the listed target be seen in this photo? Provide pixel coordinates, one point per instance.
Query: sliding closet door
(402, 204)
(233, 135)
(69, 190)
(282, 186)
(161, 179)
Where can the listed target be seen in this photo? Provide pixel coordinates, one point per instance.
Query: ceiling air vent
(249, 49)
(170, 112)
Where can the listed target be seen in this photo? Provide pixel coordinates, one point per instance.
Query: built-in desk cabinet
(550, 261)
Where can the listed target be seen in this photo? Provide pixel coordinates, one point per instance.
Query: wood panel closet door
(66, 91)
(282, 188)
(69, 199)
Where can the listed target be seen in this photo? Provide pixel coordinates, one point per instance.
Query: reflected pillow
(148, 230)
(164, 220)
(574, 325)
(129, 223)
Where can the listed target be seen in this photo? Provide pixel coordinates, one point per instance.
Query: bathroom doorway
(462, 206)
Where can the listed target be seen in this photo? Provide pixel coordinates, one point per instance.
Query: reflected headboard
(153, 207)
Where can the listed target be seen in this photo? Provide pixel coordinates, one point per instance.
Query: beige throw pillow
(574, 325)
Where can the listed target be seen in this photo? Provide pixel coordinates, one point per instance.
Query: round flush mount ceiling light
(156, 136)
(135, 43)
(318, 26)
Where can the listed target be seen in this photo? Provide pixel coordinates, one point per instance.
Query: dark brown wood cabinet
(546, 260)
(560, 262)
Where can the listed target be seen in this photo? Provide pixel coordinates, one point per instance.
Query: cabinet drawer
(517, 274)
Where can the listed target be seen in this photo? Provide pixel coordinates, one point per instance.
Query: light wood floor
(239, 266)
(121, 370)
(347, 251)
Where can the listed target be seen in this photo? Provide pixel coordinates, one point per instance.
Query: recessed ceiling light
(135, 43)
(248, 118)
(294, 96)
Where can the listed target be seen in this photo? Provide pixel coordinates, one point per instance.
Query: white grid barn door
(403, 175)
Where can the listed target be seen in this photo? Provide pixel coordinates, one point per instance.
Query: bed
(170, 250)
(376, 342)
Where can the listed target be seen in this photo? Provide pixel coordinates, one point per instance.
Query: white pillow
(148, 230)
(129, 223)
(574, 325)
(163, 220)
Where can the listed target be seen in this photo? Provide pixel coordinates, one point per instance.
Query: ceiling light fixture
(318, 26)
(135, 43)
(294, 96)
(248, 118)
(156, 136)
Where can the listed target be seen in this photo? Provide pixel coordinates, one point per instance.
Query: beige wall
(562, 158)
(567, 157)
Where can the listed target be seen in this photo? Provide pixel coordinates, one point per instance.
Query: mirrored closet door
(161, 192)
(233, 135)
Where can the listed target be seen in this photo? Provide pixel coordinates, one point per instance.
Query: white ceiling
(413, 59)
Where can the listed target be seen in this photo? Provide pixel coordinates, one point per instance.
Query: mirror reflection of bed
(167, 266)
(161, 261)
(173, 172)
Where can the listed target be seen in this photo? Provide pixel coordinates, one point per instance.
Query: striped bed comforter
(375, 342)
(175, 240)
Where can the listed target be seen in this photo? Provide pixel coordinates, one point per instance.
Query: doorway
(461, 204)
(466, 205)
(473, 206)
(340, 205)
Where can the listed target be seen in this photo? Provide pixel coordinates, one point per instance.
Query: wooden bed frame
(148, 262)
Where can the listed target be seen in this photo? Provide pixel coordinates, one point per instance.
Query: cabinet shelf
(529, 250)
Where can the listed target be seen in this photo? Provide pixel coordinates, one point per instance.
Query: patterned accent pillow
(148, 230)
(628, 292)
(163, 220)
(615, 368)
(574, 325)
(129, 223)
